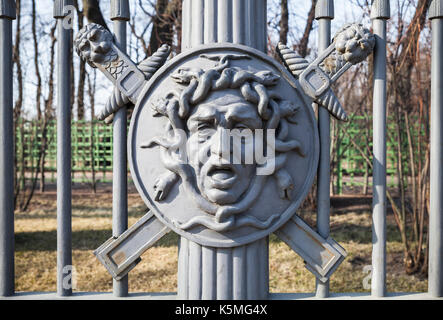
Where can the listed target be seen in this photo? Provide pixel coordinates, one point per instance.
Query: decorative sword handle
(96, 45)
(351, 45)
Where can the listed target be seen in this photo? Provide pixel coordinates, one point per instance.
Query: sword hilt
(96, 45)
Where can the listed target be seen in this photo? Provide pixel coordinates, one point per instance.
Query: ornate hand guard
(351, 45)
(96, 45)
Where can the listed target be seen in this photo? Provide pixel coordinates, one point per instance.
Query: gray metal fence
(120, 16)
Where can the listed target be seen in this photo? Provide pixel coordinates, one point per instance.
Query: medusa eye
(241, 126)
(205, 126)
(205, 130)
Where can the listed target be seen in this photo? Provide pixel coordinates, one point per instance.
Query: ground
(36, 260)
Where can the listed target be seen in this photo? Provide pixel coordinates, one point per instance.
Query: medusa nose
(221, 143)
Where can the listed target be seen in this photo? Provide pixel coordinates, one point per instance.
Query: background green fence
(352, 142)
(92, 152)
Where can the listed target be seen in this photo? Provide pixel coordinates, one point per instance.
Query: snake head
(269, 78)
(185, 75)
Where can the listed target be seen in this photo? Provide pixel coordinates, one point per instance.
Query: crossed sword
(322, 256)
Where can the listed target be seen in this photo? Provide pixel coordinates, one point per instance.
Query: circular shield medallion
(223, 146)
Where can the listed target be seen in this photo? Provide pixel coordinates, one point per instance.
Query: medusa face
(222, 172)
(183, 165)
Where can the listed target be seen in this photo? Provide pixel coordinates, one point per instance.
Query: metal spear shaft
(7, 14)
(120, 16)
(324, 13)
(64, 210)
(380, 14)
(435, 281)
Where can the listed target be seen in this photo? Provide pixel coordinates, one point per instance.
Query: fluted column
(223, 273)
(214, 21)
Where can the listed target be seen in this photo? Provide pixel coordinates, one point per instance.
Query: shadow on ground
(81, 240)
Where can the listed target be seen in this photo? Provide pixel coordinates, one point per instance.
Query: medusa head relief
(223, 145)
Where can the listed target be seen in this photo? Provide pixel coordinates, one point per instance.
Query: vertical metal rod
(238, 30)
(224, 274)
(239, 273)
(210, 21)
(435, 280)
(197, 22)
(209, 279)
(64, 213)
(195, 273)
(247, 17)
(186, 24)
(379, 14)
(183, 270)
(324, 13)
(119, 15)
(7, 13)
(260, 34)
(224, 20)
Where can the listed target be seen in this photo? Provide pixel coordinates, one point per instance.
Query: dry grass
(157, 272)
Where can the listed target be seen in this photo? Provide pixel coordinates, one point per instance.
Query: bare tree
(402, 61)
(91, 10)
(302, 46)
(284, 22)
(82, 71)
(19, 180)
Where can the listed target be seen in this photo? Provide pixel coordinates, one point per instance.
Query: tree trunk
(82, 73)
(91, 9)
(284, 22)
(162, 31)
(302, 46)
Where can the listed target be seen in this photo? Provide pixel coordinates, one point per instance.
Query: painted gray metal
(379, 14)
(120, 14)
(238, 267)
(207, 273)
(120, 10)
(7, 9)
(7, 13)
(59, 10)
(158, 182)
(242, 22)
(381, 9)
(324, 9)
(436, 9)
(234, 21)
(128, 78)
(64, 228)
(435, 280)
(321, 256)
(324, 13)
(317, 77)
(403, 296)
(120, 255)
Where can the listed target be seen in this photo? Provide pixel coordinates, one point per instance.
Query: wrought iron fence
(73, 155)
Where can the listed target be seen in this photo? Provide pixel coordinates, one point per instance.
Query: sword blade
(322, 256)
(120, 255)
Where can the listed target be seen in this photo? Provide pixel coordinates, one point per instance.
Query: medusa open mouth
(223, 176)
